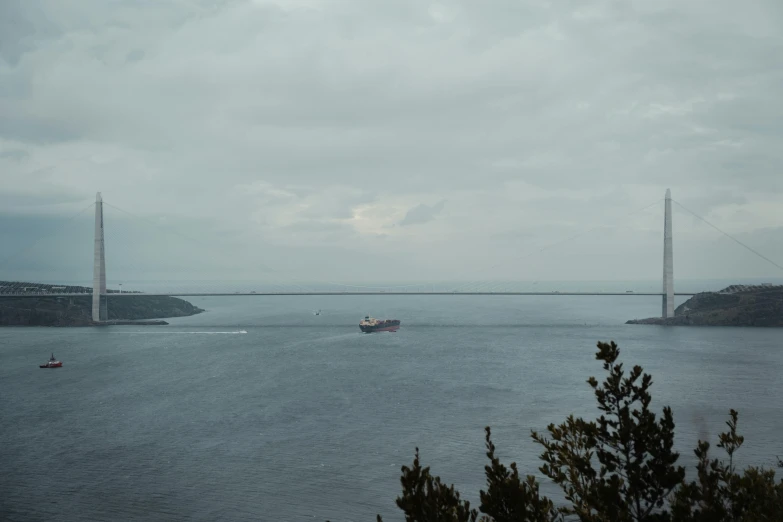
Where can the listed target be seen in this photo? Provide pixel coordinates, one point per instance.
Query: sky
(390, 140)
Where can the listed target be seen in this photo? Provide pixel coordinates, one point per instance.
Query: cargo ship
(370, 325)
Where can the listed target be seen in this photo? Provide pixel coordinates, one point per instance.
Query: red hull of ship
(388, 329)
(392, 328)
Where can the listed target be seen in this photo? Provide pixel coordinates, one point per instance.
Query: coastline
(76, 311)
(736, 305)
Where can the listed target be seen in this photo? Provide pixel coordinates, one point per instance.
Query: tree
(620, 467)
(508, 498)
(425, 497)
(721, 494)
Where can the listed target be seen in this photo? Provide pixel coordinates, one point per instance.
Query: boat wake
(237, 332)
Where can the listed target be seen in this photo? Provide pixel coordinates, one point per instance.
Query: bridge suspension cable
(208, 248)
(562, 241)
(759, 254)
(156, 225)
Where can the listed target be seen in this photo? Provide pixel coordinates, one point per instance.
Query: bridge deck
(269, 294)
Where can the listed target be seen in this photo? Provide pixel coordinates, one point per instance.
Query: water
(304, 418)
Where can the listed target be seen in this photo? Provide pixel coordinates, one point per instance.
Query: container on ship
(370, 325)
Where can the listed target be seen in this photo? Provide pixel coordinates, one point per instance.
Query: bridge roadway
(268, 294)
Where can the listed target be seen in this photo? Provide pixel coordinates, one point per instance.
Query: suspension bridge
(100, 294)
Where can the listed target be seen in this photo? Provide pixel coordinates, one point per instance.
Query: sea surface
(260, 410)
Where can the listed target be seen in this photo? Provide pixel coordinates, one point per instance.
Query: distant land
(77, 310)
(736, 305)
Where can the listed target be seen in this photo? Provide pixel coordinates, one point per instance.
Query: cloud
(422, 214)
(297, 123)
(15, 154)
(135, 55)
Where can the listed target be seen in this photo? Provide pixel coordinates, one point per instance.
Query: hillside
(77, 310)
(733, 306)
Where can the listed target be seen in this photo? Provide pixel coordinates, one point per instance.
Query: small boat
(52, 363)
(317, 313)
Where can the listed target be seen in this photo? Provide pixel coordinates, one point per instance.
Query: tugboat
(370, 325)
(52, 363)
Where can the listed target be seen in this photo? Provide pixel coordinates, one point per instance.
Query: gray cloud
(16, 154)
(274, 125)
(24, 26)
(135, 55)
(422, 213)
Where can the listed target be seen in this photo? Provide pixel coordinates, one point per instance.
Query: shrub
(620, 467)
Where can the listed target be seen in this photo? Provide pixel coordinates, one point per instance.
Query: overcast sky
(363, 140)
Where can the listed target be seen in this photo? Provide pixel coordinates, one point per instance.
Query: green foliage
(509, 498)
(425, 497)
(721, 494)
(620, 467)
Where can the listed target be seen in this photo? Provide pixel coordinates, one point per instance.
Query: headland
(736, 305)
(76, 310)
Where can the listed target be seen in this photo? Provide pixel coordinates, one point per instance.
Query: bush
(620, 467)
